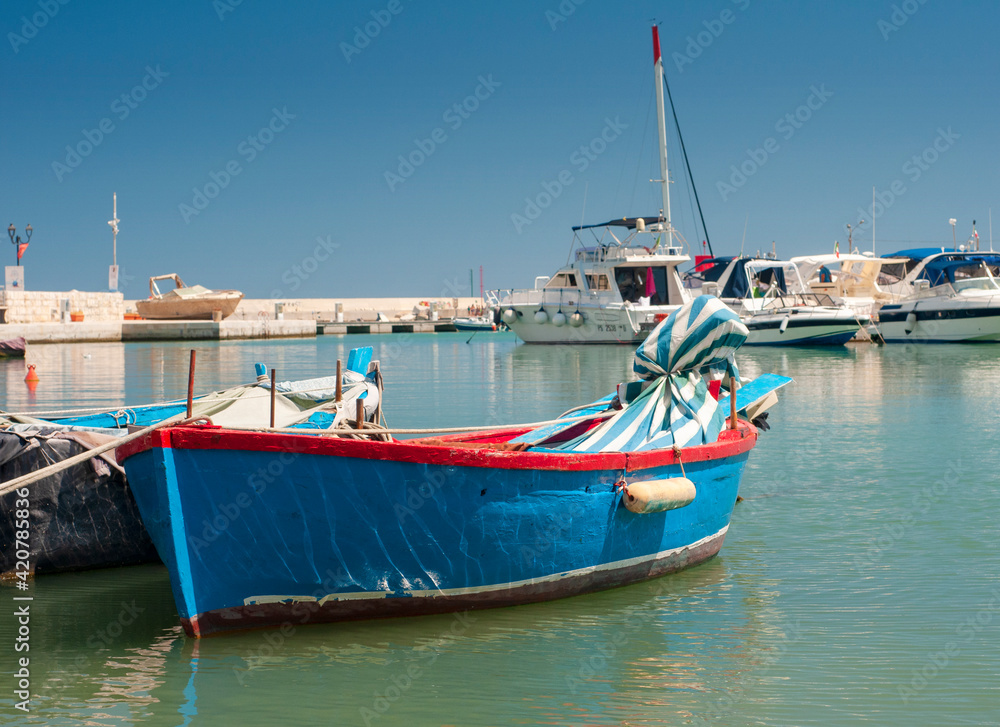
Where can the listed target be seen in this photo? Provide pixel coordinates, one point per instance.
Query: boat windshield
(894, 272)
(975, 277)
(799, 299)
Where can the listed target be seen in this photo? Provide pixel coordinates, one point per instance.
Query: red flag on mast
(20, 249)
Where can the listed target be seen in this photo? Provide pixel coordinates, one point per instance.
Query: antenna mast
(662, 133)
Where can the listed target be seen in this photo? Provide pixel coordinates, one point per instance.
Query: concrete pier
(157, 330)
(215, 330)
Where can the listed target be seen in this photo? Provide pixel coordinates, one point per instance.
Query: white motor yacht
(616, 288)
(942, 296)
(775, 304)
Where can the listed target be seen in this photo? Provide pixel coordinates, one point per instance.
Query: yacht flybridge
(617, 287)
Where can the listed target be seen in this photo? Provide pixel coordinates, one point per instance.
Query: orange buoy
(32, 376)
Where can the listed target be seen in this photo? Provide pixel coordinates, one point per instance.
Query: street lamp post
(16, 240)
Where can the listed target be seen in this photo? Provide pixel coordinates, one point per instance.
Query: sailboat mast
(662, 133)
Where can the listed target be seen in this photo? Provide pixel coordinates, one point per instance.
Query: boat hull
(259, 530)
(942, 320)
(802, 328)
(603, 325)
(471, 324)
(13, 348)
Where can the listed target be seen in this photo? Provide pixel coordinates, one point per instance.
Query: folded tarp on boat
(675, 407)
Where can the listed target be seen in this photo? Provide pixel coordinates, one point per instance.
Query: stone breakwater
(351, 310)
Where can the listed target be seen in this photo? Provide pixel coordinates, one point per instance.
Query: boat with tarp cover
(330, 528)
(85, 516)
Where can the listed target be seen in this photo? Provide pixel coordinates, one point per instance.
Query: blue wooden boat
(262, 528)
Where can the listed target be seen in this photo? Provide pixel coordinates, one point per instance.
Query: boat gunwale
(205, 437)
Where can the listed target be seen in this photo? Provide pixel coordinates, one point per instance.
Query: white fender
(784, 324)
(509, 316)
(658, 495)
(559, 319)
(541, 316)
(911, 321)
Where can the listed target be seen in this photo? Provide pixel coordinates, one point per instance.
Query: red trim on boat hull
(730, 443)
(304, 612)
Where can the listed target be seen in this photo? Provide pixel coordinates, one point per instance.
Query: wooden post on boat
(361, 413)
(190, 402)
(273, 377)
(340, 391)
(732, 401)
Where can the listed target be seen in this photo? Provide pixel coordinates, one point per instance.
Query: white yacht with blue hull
(944, 296)
(774, 303)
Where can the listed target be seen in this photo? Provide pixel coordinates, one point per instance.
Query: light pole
(16, 240)
(113, 271)
(850, 235)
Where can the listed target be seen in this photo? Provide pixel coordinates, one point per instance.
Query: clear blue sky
(554, 80)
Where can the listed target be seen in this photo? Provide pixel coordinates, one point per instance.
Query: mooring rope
(52, 469)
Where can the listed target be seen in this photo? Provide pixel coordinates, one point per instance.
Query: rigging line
(642, 147)
(687, 164)
(621, 176)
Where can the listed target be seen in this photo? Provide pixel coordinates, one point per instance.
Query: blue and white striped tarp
(698, 338)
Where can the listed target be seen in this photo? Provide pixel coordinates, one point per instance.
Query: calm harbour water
(859, 582)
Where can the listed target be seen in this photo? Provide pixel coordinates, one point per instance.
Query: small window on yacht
(562, 280)
(598, 282)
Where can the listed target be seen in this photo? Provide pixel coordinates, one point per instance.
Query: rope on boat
(52, 469)
(369, 427)
(108, 410)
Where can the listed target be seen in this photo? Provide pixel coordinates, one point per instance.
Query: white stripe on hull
(555, 578)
